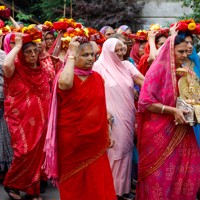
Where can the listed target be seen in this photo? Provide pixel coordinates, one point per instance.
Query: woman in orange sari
(81, 131)
(169, 158)
(27, 95)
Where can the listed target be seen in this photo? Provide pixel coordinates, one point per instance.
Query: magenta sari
(169, 159)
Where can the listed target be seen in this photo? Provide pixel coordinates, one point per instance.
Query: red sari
(82, 140)
(26, 111)
(169, 158)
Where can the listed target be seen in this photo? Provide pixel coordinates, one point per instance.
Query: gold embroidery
(175, 141)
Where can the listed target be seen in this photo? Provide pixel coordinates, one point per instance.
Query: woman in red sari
(26, 110)
(169, 158)
(81, 129)
(155, 40)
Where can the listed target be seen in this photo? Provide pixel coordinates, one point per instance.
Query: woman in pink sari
(169, 158)
(119, 77)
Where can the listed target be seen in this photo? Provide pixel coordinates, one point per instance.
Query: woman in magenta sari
(169, 158)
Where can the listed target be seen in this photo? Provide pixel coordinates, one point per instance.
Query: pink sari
(119, 85)
(169, 159)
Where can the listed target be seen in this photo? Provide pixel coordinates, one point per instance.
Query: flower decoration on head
(141, 35)
(160, 30)
(94, 35)
(4, 12)
(1, 24)
(65, 23)
(5, 29)
(85, 35)
(47, 26)
(188, 25)
(35, 34)
(72, 32)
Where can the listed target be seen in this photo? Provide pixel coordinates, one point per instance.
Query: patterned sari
(169, 159)
(27, 96)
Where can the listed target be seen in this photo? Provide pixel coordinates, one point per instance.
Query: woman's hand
(73, 46)
(179, 116)
(152, 34)
(174, 29)
(18, 40)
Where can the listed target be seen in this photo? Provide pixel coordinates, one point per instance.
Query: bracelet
(72, 57)
(163, 108)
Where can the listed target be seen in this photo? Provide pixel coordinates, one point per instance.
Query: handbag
(190, 115)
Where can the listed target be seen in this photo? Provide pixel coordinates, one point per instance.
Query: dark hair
(185, 34)
(178, 40)
(26, 45)
(160, 36)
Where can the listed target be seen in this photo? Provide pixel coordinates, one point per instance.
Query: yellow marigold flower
(37, 40)
(155, 27)
(86, 32)
(68, 39)
(48, 23)
(31, 26)
(25, 29)
(141, 32)
(2, 7)
(191, 26)
(61, 20)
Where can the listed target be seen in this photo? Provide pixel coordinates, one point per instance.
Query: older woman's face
(109, 32)
(180, 52)
(190, 44)
(31, 54)
(85, 58)
(49, 40)
(119, 50)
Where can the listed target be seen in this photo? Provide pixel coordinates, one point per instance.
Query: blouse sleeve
(131, 68)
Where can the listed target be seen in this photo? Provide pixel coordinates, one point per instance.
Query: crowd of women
(81, 107)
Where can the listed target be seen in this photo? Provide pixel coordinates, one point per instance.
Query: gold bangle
(163, 108)
(72, 57)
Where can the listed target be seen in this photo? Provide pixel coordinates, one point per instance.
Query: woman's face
(119, 50)
(31, 54)
(160, 42)
(180, 52)
(190, 44)
(125, 44)
(49, 40)
(109, 32)
(141, 49)
(85, 58)
(128, 31)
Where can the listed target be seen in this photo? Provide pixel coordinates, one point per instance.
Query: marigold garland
(84, 34)
(140, 35)
(188, 25)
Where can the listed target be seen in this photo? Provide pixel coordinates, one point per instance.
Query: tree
(100, 13)
(195, 6)
(92, 13)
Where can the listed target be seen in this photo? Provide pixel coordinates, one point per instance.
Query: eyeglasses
(49, 39)
(30, 52)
